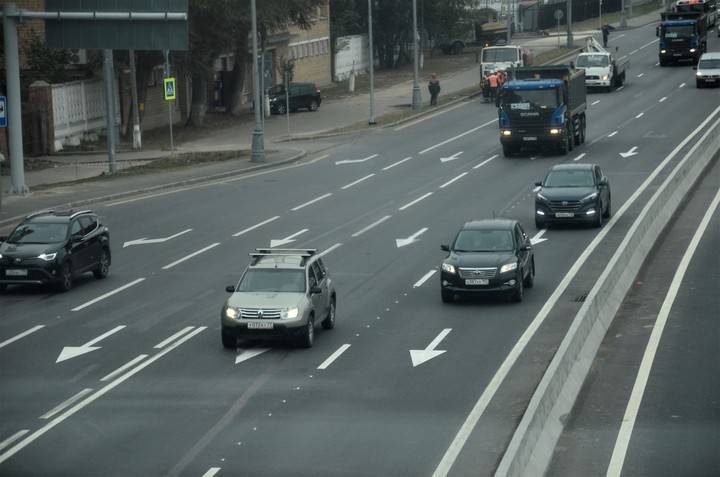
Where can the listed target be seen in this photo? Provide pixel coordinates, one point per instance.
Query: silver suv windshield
(273, 280)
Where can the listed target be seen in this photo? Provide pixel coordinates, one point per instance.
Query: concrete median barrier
(531, 447)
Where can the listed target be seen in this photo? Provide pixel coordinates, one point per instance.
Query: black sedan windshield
(484, 241)
(39, 233)
(273, 280)
(569, 178)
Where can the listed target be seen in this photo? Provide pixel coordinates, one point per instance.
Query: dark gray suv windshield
(582, 178)
(273, 280)
(484, 241)
(39, 233)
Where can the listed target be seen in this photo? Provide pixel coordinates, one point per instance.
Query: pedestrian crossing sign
(169, 84)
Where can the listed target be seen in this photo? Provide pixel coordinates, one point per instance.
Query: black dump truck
(543, 107)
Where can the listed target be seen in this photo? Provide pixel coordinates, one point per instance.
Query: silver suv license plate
(477, 281)
(259, 325)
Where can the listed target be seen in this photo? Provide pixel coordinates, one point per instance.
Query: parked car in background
(301, 96)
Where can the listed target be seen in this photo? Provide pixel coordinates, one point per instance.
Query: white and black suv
(283, 293)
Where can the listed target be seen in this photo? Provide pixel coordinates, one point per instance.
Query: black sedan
(493, 255)
(573, 193)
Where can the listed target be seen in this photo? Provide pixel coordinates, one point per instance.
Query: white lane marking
(641, 75)
(219, 181)
(144, 241)
(13, 438)
(453, 180)
(345, 187)
(657, 64)
(457, 137)
(410, 204)
(371, 226)
(211, 472)
(122, 368)
(333, 356)
(425, 118)
(617, 37)
(538, 237)
(612, 134)
(424, 278)
(485, 161)
(631, 152)
(95, 396)
(648, 44)
(249, 354)
(188, 257)
(580, 156)
(623, 57)
(451, 158)
(310, 202)
(399, 243)
(457, 444)
(595, 102)
(69, 352)
(631, 411)
(420, 356)
(620, 88)
(68, 402)
(682, 85)
(639, 115)
(21, 335)
(172, 338)
(396, 163)
(662, 99)
(256, 226)
(330, 249)
(288, 239)
(108, 294)
(356, 161)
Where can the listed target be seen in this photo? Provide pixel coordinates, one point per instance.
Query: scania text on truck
(543, 107)
(683, 36)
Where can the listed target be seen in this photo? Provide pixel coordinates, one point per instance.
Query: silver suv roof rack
(80, 212)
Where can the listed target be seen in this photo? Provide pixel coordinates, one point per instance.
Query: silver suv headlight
(232, 313)
(289, 313)
(446, 267)
(508, 267)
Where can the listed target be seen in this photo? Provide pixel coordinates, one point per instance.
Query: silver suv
(283, 293)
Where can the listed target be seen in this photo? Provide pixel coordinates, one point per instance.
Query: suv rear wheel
(308, 337)
(329, 322)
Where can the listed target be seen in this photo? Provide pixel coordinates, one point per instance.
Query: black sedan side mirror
(445, 248)
(315, 290)
(603, 182)
(230, 288)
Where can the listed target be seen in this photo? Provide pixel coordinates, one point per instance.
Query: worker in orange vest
(493, 83)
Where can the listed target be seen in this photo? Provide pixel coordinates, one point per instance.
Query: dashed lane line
(21, 335)
(371, 226)
(424, 278)
(108, 294)
(334, 356)
(188, 257)
(410, 204)
(310, 202)
(256, 226)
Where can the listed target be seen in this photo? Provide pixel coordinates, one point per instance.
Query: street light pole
(416, 101)
(258, 148)
(371, 121)
(623, 20)
(508, 21)
(569, 24)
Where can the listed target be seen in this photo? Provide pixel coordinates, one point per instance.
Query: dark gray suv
(302, 96)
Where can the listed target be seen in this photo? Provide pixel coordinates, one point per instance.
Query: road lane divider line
(620, 88)
(485, 161)
(447, 141)
(356, 161)
(13, 438)
(371, 226)
(633, 407)
(662, 99)
(345, 187)
(310, 202)
(21, 335)
(682, 85)
(108, 294)
(463, 434)
(247, 354)
(595, 102)
(580, 156)
(424, 278)
(188, 257)
(256, 226)
(334, 356)
(122, 368)
(430, 116)
(67, 403)
(330, 249)
(612, 133)
(386, 168)
(453, 180)
(641, 75)
(212, 471)
(410, 204)
(172, 338)
(639, 115)
(95, 396)
(536, 188)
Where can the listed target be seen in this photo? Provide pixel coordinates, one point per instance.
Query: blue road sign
(3, 112)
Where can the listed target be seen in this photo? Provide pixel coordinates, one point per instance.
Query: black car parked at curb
(573, 193)
(301, 95)
(492, 255)
(53, 248)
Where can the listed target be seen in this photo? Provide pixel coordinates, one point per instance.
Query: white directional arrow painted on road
(537, 238)
(451, 158)
(286, 240)
(248, 354)
(631, 152)
(144, 241)
(356, 161)
(70, 352)
(411, 239)
(419, 356)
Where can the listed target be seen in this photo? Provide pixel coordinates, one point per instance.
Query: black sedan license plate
(564, 215)
(477, 281)
(530, 138)
(16, 273)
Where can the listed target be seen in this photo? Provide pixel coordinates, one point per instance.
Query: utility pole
(416, 100)
(13, 111)
(508, 21)
(623, 20)
(569, 24)
(371, 55)
(258, 148)
(137, 135)
(108, 79)
(170, 103)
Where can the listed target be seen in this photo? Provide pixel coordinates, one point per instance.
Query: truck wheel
(577, 130)
(564, 147)
(571, 137)
(582, 130)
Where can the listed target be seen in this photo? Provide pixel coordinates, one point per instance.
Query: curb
(532, 445)
(169, 185)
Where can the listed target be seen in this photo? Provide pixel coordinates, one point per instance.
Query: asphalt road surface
(152, 392)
